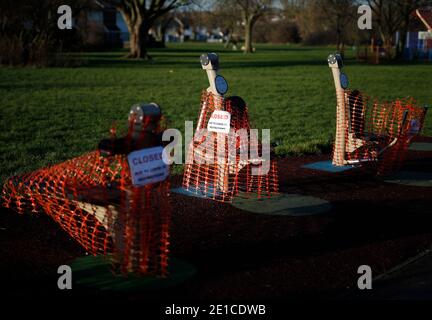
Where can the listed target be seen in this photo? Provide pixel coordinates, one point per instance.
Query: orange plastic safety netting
(379, 134)
(93, 199)
(220, 166)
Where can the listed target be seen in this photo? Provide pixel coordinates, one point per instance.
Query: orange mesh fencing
(217, 165)
(374, 133)
(92, 198)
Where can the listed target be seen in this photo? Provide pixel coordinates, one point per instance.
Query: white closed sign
(147, 166)
(220, 121)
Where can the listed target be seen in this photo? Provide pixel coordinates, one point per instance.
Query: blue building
(103, 26)
(419, 38)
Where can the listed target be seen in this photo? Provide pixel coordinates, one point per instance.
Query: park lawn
(50, 115)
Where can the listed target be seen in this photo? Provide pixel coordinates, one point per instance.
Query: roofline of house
(423, 20)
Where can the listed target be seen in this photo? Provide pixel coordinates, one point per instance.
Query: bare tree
(392, 16)
(227, 18)
(140, 16)
(251, 11)
(341, 13)
(292, 7)
(29, 33)
(388, 20)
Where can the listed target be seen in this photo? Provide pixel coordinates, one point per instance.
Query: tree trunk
(163, 35)
(338, 35)
(403, 37)
(340, 44)
(248, 36)
(133, 42)
(138, 33)
(228, 40)
(388, 48)
(143, 42)
(401, 44)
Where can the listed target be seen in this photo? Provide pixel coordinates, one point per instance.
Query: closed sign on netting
(220, 163)
(100, 201)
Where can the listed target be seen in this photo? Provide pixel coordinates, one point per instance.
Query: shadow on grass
(192, 61)
(265, 57)
(187, 62)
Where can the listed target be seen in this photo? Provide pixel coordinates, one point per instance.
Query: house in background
(185, 26)
(419, 38)
(102, 26)
(174, 30)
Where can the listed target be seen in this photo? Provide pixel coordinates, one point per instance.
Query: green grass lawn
(50, 115)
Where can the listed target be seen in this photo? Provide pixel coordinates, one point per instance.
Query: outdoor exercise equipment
(219, 164)
(370, 132)
(114, 201)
